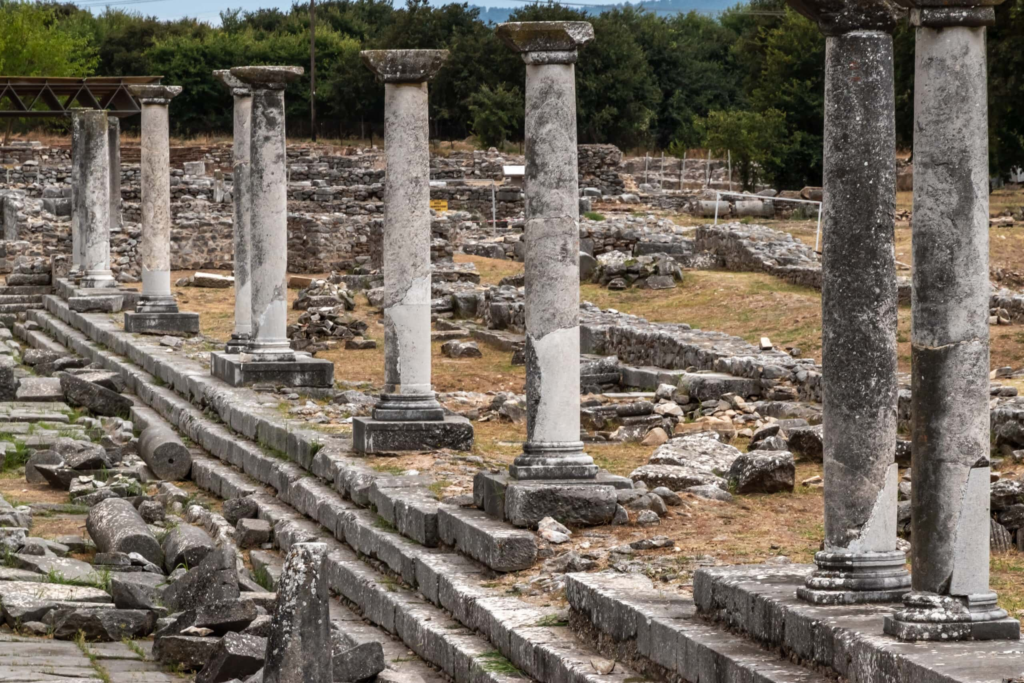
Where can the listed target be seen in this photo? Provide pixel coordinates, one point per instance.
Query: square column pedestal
(304, 371)
(453, 432)
(573, 502)
(175, 324)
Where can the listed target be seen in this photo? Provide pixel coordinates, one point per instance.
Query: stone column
(408, 394)
(114, 143)
(76, 192)
(94, 203)
(951, 599)
(155, 246)
(243, 206)
(553, 449)
(860, 562)
(269, 218)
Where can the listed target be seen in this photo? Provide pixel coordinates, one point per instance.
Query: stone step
(19, 308)
(25, 290)
(428, 595)
(760, 603)
(21, 299)
(658, 630)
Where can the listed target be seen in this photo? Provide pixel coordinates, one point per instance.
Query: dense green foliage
(750, 80)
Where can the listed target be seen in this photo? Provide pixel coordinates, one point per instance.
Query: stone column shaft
(243, 206)
(155, 247)
(94, 218)
(553, 449)
(242, 201)
(860, 562)
(114, 143)
(951, 598)
(269, 215)
(76, 193)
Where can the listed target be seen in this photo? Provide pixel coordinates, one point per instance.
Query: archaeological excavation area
(299, 413)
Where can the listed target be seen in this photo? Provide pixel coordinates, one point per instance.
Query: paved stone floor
(35, 660)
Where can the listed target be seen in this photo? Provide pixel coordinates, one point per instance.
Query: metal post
(729, 153)
(494, 210)
(707, 170)
(717, 195)
(647, 177)
(682, 170)
(661, 172)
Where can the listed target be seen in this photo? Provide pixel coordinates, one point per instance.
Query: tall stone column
(268, 357)
(76, 192)
(407, 415)
(157, 310)
(951, 599)
(114, 144)
(553, 449)
(243, 206)
(94, 203)
(269, 217)
(860, 562)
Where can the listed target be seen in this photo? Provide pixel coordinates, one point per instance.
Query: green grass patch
(261, 576)
(437, 487)
(384, 525)
(389, 469)
(552, 620)
(594, 216)
(495, 662)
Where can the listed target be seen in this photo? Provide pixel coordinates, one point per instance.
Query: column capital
(267, 77)
(235, 85)
(940, 14)
(155, 94)
(836, 17)
(404, 66)
(546, 42)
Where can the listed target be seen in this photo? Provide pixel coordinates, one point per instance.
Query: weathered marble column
(114, 144)
(94, 204)
(269, 218)
(951, 599)
(407, 415)
(76, 192)
(408, 394)
(157, 311)
(243, 206)
(860, 562)
(155, 244)
(553, 449)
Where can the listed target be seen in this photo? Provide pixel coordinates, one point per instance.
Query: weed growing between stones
(495, 662)
(101, 673)
(261, 576)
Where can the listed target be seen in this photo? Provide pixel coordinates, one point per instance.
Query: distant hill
(500, 14)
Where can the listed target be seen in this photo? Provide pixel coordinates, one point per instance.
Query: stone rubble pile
(618, 271)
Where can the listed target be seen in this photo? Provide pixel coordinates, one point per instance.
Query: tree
(34, 43)
(754, 139)
(496, 113)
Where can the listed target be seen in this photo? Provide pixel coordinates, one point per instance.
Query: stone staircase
(17, 298)
(417, 570)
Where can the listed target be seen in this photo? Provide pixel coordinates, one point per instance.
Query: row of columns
(948, 596)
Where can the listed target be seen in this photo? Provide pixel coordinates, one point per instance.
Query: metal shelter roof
(39, 96)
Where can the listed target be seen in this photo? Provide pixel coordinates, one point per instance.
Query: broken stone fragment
(164, 452)
(115, 525)
(300, 632)
(186, 546)
(214, 579)
(763, 472)
(107, 625)
(97, 399)
(236, 656)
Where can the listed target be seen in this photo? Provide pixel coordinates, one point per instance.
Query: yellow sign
(439, 204)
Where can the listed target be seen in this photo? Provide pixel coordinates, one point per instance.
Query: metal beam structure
(41, 96)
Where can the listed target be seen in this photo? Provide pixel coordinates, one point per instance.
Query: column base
(156, 304)
(370, 435)
(934, 617)
(408, 408)
(98, 281)
(304, 371)
(844, 578)
(237, 344)
(175, 324)
(524, 503)
(553, 460)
